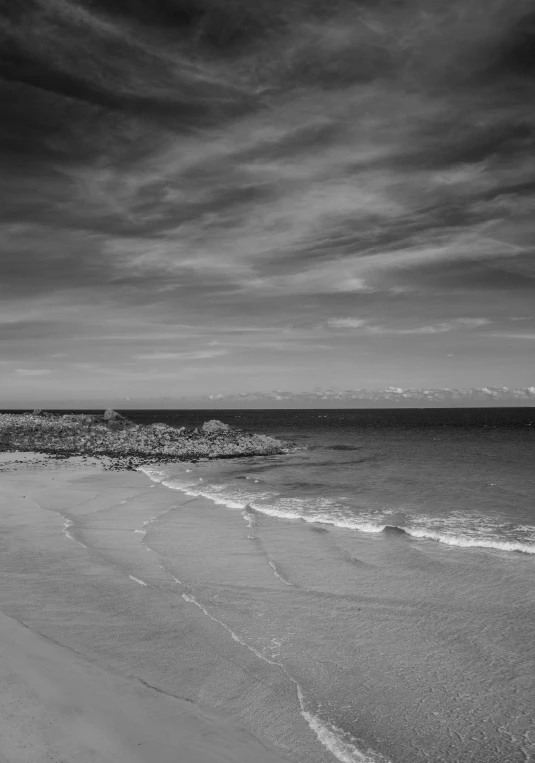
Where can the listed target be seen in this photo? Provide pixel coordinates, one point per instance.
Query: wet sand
(79, 638)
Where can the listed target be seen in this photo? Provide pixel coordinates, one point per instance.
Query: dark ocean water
(387, 565)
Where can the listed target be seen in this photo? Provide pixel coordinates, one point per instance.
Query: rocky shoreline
(127, 445)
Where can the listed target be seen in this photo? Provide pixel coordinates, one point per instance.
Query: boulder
(214, 426)
(111, 415)
(114, 424)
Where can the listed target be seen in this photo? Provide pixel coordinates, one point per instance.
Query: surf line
(277, 573)
(329, 736)
(69, 523)
(334, 739)
(137, 580)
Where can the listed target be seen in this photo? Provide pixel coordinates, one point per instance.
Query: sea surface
(386, 565)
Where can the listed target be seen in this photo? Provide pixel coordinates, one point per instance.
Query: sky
(204, 199)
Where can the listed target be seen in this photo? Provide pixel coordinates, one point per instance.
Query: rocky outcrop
(212, 426)
(111, 415)
(114, 435)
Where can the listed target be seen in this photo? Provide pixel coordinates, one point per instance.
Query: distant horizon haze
(395, 399)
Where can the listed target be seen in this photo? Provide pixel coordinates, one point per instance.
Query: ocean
(385, 566)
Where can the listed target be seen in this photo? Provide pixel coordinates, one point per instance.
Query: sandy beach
(169, 615)
(75, 686)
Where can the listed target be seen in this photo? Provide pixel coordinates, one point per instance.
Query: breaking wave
(471, 542)
(464, 530)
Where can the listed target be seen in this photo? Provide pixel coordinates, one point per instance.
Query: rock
(111, 415)
(119, 438)
(213, 426)
(114, 424)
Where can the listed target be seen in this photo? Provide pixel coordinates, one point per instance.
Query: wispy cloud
(436, 328)
(510, 335)
(347, 323)
(195, 355)
(168, 178)
(32, 371)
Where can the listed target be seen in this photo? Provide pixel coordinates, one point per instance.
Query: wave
(344, 522)
(467, 531)
(394, 530)
(137, 580)
(224, 495)
(470, 542)
(371, 526)
(145, 526)
(341, 745)
(248, 515)
(66, 525)
(330, 736)
(277, 573)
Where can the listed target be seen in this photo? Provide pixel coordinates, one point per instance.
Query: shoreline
(340, 746)
(322, 744)
(164, 587)
(57, 702)
(368, 527)
(64, 697)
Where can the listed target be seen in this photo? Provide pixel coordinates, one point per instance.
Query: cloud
(509, 335)
(437, 328)
(388, 395)
(349, 323)
(329, 279)
(441, 328)
(268, 163)
(33, 371)
(194, 355)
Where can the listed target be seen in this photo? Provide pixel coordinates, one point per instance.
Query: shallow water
(388, 570)
(297, 605)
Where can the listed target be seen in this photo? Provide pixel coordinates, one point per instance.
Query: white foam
(137, 580)
(323, 510)
(277, 573)
(335, 740)
(69, 523)
(219, 494)
(193, 600)
(466, 542)
(331, 736)
(249, 518)
(326, 519)
(215, 493)
(156, 475)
